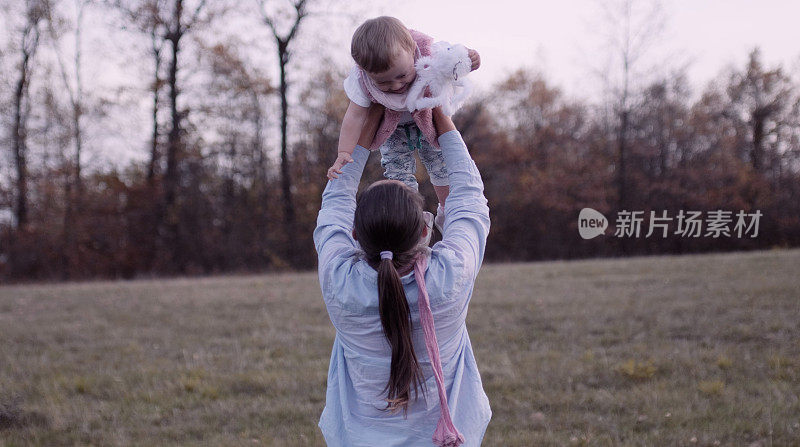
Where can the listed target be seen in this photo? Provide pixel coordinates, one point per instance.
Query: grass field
(693, 351)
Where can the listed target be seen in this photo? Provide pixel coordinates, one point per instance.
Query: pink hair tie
(446, 433)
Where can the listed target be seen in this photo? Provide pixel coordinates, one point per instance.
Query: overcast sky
(560, 38)
(564, 40)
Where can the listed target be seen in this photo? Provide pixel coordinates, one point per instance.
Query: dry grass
(693, 350)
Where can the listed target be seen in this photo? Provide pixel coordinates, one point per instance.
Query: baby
(385, 51)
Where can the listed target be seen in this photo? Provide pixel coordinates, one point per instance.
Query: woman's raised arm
(466, 224)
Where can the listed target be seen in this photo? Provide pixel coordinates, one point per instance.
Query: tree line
(236, 162)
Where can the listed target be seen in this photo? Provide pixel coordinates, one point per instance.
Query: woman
(382, 286)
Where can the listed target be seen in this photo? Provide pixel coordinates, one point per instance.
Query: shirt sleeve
(466, 210)
(353, 89)
(335, 219)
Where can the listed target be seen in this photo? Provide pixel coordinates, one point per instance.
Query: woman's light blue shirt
(361, 356)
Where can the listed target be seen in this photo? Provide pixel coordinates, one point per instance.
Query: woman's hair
(388, 217)
(377, 41)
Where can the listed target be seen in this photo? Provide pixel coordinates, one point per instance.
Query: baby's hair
(377, 41)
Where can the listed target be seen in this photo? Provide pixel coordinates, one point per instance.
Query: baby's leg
(397, 159)
(433, 160)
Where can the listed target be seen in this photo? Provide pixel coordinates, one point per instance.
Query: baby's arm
(352, 123)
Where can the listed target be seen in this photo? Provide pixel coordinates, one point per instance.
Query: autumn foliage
(543, 156)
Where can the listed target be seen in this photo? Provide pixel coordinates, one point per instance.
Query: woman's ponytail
(396, 321)
(389, 217)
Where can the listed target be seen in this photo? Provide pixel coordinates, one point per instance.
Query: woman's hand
(475, 58)
(442, 122)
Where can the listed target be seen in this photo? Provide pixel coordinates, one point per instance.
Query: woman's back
(361, 357)
(352, 300)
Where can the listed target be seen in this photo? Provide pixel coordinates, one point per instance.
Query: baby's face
(398, 78)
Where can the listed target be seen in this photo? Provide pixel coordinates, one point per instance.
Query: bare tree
(762, 102)
(659, 125)
(29, 35)
(168, 22)
(236, 92)
(73, 187)
(234, 76)
(631, 28)
(182, 21)
(283, 39)
(148, 17)
(156, 46)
